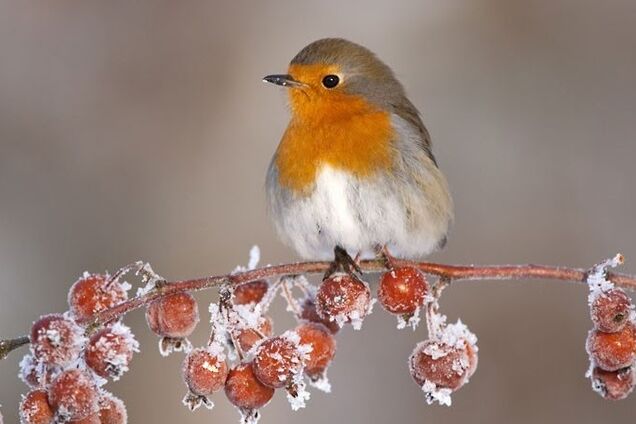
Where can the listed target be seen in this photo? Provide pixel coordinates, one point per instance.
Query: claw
(342, 263)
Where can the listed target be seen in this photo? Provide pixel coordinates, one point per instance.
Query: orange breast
(343, 131)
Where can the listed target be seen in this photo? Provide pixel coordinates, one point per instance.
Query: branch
(450, 272)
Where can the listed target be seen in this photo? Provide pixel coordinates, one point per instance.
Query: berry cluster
(67, 364)
(611, 344)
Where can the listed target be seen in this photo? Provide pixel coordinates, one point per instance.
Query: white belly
(355, 215)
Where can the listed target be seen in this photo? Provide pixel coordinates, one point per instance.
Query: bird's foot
(342, 263)
(383, 253)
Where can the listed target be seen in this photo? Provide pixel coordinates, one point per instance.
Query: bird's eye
(330, 81)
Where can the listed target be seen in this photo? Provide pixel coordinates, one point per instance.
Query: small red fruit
(278, 360)
(110, 351)
(35, 408)
(610, 310)
(204, 372)
(309, 313)
(244, 390)
(174, 316)
(56, 341)
(445, 366)
(94, 293)
(91, 419)
(613, 385)
(73, 395)
(113, 410)
(612, 351)
(323, 348)
(248, 337)
(402, 290)
(343, 298)
(251, 292)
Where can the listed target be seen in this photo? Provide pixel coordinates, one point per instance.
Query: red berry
(278, 360)
(323, 346)
(309, 313)
(251, 292)
(35, 408)
(110, 351)
(93, 293)
(343, 298)
(248, 337)
(175, 315)
(612, 351)
(56, 341)
(204, 372)
(91, 419)
(614, 385)
(610, 310)
(244, 390)
(113, 410)
(35, 373)
(73, 395)
(445, 366)
(402, 290)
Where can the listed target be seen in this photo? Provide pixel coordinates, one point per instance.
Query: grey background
(141, 129)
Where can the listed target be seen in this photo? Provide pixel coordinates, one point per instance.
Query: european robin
(354, 169)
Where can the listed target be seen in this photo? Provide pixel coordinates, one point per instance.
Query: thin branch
(452, 272)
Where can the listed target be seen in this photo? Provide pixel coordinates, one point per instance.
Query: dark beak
(283, 80)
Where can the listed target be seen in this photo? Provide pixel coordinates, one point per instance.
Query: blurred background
(142, 130)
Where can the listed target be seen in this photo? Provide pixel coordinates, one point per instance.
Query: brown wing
(407, 111)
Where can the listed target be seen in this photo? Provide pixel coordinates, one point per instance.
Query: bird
(354, 173)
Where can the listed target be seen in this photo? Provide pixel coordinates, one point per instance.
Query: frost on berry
(611, 310)
(112, 410)
(247, 338)
(344, 298)
(246, 392)
(251, 292)
(73, 395)
(204, 372)
(323, 349)
(279, 359)
(56, 340)
(309, 313)
(442, 365)
(402, 291)
(174, 318)
(110, 351)
(613, 385)
(35, 408)
(93, 293)
(597, 278)
(35, 373)
(612, 351)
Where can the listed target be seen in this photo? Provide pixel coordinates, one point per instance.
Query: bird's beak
(285, 80)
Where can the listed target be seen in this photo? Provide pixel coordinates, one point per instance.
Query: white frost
(435, 394)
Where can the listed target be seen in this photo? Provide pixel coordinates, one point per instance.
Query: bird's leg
(382, 252)
(342, 263)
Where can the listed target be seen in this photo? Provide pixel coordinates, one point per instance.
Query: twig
(6, 346)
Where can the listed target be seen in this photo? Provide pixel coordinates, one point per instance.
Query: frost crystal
(255, 257)
(412, 321)
(435, 394)
(597, 278)
(321, 383)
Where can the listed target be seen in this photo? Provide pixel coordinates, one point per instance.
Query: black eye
(330, 81)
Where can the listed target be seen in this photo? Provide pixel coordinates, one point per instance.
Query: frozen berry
(402, 290)
(112, 410)
(612, 351)
(309, 313)
(35, 373)
(91, 419)
(73, 395)
(343, 298)
(93, 293)
(244, 390)
(323, 348)
(110, 351)
(614, 385)
(35, 408)
(175, 315)
(445, 366)
(251, 292)
(248, 337)
(278, 360)
(56, 341)
(204, 372)
(610, 310)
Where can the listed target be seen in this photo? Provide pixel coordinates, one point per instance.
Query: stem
(451, 272)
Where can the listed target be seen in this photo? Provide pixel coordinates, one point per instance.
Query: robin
(354, 170)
